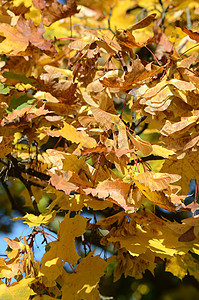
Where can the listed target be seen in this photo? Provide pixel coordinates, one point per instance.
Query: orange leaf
(109, 120)
(143, 146)
(143, 23)
(63, 184)
(21, 117)
(19, 37)
(191, 34)
(152, 187)
(117, 190)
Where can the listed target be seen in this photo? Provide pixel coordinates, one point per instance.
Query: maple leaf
(23, 117)
(18, 38)
(117, 190)
(108, 120)
(20, 289)
(64, 248)
(164, 46)
(134, 266)
(53, 11)
(5, 145)
(179, 128)
(136, 74)
(76, 136)
(143, 146)
(61, 89)
(126, 38)
(159, 97)
(85, 162)
(186, 167)
(84, 282)
(36, 221)
(15, 245)
(63, 184)
(191, 34)
(143, 23)
(180, 265)
(153, 185)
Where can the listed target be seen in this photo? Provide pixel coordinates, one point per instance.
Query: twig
(109, 19)
(15, 169)
(146, 158)
(188, 18)
(4, 183)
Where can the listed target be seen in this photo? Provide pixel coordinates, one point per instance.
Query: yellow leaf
(80, 137)
(64, 248)
(187, 167)
(26, 3)
(152, 188)
(33, 220)
(83, 284)
(51, 262)
(176, 266)
(17, 290)
(162, 151)
(143, 146)
(180, 265)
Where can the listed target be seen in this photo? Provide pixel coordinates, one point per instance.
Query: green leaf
(18, 77)
(20, 102)
(4, 89)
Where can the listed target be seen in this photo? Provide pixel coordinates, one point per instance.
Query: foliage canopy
(104, 95)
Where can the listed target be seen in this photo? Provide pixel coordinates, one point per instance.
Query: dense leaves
(80, 106)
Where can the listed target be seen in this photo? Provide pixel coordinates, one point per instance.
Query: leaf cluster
(64, 69)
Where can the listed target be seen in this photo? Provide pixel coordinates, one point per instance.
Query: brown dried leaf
(182, 85)
(126, 38)
(188, 61)
(194, 141)
(164, 46)
(140, 72)
(143, 23)
(153, 186)
(78, 45)
(194, 206)
(39, 4)
(5, 145)
(54, 11)
(63, 90)
(191, 34)
(187, 236)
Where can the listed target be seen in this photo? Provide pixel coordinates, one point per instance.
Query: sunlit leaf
(33, 220)
(17, 289)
